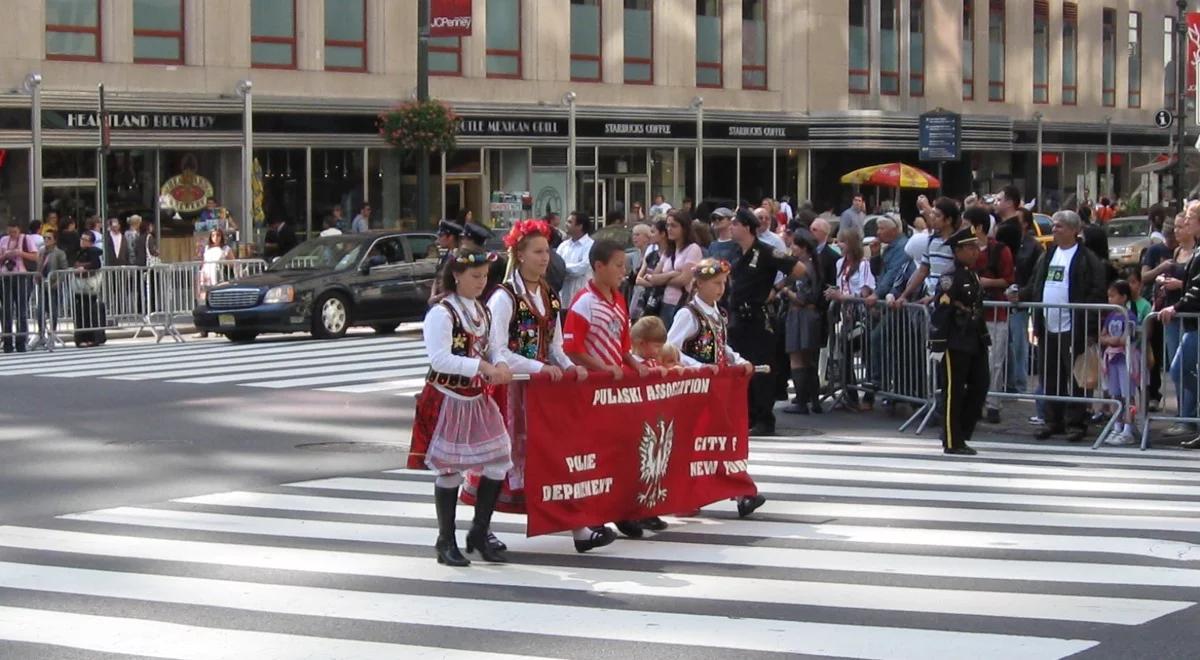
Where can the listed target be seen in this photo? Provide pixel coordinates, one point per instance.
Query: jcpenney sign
(450, 18)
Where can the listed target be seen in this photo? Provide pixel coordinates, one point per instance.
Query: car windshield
(1127, 228)
(321, 254)
(1044, 225)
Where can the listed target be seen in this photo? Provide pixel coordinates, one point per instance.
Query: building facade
(713, 100)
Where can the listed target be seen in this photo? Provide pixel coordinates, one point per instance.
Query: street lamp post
(1181, 49)
(33, 87)
(1037, 194)
(698, 106)
(1108, 167)
(569, 99)
(422, 96)
(243, 89)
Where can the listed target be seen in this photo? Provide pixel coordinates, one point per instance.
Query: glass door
(593, 197)
(637, 193)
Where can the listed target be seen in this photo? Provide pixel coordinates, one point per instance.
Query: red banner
(1193, 49)
(450, 18)
(603, 450)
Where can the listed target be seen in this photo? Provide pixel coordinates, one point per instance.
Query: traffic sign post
(1164, 118)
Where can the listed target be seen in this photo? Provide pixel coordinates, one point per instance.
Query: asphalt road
(210, 501)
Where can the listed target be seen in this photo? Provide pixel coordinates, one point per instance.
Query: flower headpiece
(523, 228)
(710, 268)
(475, 258)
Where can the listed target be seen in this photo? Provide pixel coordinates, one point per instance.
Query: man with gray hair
(1067, 273)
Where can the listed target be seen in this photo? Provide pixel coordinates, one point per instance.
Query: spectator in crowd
(938, 261)
(994, 268)
(722, 247)
(574, 252)
(1105, 211)
(50, 226)
(68, 239)
(339, 219)
(35, 233)
(1067, 273)
(854, 217)
(675, 268)
(18, 254)
(362, 222)
(133, 225)
(766, 220)
(803, 331)
(1096, 239)
(557, 236)
(640, 237)
(1157, 261)
(702, 234)
(116, 247)
(660, 206)
(652, 296)
(93, 226)
(785, 206)
(89, 309)
(330, 227)
(279, 240)
(894, 269)
(854, 280)
(211, 272)
(1184, 363)
(1025, 258)
(1157, 215)
(51, 259)
(636, 214)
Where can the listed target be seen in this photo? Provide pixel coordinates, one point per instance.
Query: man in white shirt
(1065, 274)
(362, 222)
(331, 228)
(660, 206)
(764, 230)
(574, 252)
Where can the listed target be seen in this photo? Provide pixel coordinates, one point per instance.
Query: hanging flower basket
(417, 125)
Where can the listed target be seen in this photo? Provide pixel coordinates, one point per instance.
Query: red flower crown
(523, 228)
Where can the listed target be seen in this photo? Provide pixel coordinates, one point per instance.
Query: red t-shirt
(996, 262)
(598, 327)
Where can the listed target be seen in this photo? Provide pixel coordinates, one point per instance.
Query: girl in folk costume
(458, 426)
(527, 336)
(699, 331)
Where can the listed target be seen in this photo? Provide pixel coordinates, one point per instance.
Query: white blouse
(439, 332)
(862, 278)
(686, 325)
(501, 305)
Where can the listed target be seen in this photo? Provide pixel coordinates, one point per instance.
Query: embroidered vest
(708, 345)
(529, 333)
(462, 344)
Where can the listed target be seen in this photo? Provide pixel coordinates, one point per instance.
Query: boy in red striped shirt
(596, 333)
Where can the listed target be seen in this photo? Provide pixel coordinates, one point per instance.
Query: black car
(325, 285)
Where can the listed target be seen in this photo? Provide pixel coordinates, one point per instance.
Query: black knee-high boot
(446, 500)
(800, 402)
(814, 389)
(485, 504)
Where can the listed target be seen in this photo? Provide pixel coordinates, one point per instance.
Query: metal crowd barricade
(177, 287)
(1185, 385)
(22, 311)
(882, 351)
(1072, 353)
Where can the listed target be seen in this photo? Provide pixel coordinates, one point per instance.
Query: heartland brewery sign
(146, 121)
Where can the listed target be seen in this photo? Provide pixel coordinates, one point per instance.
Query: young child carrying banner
(458, 426)
(596, 334)
(650, 347)
(700, 330)
(527, 336)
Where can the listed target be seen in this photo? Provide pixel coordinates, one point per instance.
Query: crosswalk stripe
(143, 637)
(390, 372)
(822, 510)
(384, 386)
(1122, 611)
(940, 464)
(883, 563)
(209, 367)
(1138, 547)
(645, 626)
(1005, 447)
(298, 371)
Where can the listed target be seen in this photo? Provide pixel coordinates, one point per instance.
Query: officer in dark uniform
(449, 238)
(481, 237)
(958, 340)
(751, 332)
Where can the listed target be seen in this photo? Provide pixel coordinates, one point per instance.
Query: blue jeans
(1172, 335)
(1018, 350)
(1185, 374)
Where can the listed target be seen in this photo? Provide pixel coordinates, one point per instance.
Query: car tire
(241, 336)
(385, 328)
(331, 316)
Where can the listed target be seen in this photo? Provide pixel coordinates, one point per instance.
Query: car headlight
(280, 294)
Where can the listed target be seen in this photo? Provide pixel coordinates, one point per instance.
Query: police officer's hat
(963, 238)
(449, 228)
(476, 233)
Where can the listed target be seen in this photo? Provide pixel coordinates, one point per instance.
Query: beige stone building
(708, 99)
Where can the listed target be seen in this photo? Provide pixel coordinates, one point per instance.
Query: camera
(10, 264)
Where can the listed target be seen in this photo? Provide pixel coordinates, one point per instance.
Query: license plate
(226, 319)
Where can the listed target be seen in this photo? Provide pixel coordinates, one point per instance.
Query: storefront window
(130, 183)
(337, 181)
(504, 38)
(639, 42)
(787, 175)
(663, 177)
(345, 35)
(187, 180)
(916, 48)
(73, 30)
(69, 163)
(708, 43)
(586, 37)
(860, 47)
(1041, 51)
(273, 34)
(754, 44)
(720, 182)
(284, 187)
(889, 47)
(158, 31)
(757, 179)
(1070, 52)
(14, 186)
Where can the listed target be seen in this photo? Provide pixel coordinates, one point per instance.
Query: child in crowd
(669, 358)
(458, 427)
(700, 329)
(1120, 370)
(1133, 275)
(596, 334)
(648, 338)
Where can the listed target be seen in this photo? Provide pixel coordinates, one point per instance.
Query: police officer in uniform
(751, 331)
(449, 238)
(958, 341)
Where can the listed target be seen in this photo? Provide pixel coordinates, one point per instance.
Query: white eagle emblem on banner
(655, 453)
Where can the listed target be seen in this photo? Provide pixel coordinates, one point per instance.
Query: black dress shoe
(654, 524)
(1049, 431)
(796, 409)
(960, 451)
(993, 416)
(601, 536)
(818, 409)
(630, 528)
(495, 543)
(1194, 443)
(748, 504)
(762, 429)
(1076, 435)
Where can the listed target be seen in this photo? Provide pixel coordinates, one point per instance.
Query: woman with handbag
(854, 281)
(652, 296)
(89, 310)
